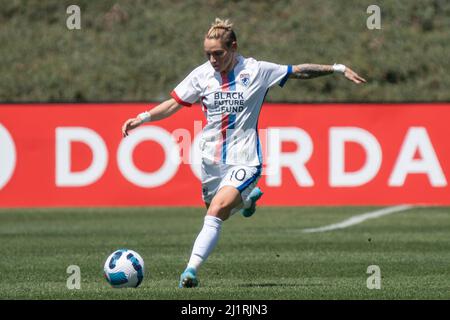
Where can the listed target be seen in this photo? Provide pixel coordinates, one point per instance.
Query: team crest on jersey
(245, 79)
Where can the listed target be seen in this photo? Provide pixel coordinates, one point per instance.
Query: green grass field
(264, 257)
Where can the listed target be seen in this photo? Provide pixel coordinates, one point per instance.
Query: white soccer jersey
(232, 103)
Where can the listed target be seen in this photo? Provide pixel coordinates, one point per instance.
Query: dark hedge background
(140, 50)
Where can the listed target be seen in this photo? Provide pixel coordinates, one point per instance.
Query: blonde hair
(223, 30)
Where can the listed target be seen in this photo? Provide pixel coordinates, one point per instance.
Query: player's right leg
(206, 239)
(219, 210)
(188, 278)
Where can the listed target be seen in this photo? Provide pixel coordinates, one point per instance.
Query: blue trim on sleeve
(286, 77)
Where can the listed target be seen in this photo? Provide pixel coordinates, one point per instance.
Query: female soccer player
(231, 89)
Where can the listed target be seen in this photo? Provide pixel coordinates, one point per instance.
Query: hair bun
(222, 24)
(222, 29)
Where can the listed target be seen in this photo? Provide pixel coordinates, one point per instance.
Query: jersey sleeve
(272, 73)
(187, 91)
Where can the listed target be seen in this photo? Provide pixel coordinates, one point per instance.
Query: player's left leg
(250, 192)
(250, 203)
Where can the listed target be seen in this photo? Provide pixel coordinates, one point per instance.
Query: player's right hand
(130, 124)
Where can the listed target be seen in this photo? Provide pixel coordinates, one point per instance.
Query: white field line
(359, 218)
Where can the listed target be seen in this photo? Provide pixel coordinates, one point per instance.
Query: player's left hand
(353, 76)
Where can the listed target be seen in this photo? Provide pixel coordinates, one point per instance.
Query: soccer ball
(124, 268)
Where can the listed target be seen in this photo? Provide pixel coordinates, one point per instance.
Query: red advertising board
(314, 154)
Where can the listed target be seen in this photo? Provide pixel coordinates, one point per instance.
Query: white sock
(205, 242)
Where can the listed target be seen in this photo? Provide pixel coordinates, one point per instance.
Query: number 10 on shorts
(238, 175)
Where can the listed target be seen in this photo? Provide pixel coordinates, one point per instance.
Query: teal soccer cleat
(254, 196)
(188, 279)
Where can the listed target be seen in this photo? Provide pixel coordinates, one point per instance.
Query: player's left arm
(311, 70)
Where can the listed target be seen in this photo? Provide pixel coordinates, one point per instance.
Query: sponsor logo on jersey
(245, 79)
(229, 102)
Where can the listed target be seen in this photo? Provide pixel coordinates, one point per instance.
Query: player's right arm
(185, 94)
(161, 111)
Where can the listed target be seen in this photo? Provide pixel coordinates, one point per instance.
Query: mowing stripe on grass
(359, 218)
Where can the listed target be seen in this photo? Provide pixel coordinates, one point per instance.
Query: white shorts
(217, 175)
